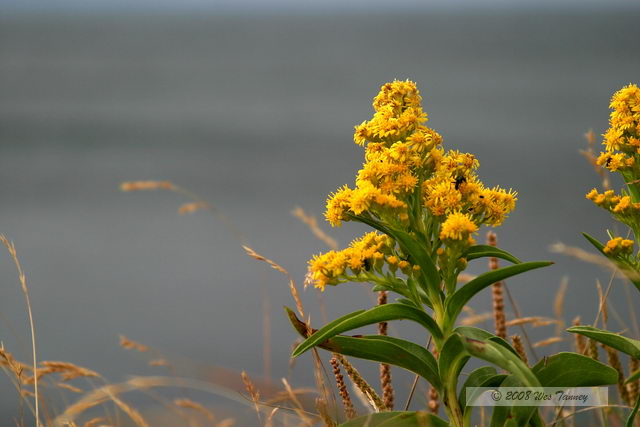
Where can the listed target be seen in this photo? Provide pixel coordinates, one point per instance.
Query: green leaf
(390, 350)
(481, 335)
(633, 377)
(397, 419)
(595, 242)
(514, 415)
(483, 251)
(626, 345)
(479, 378)
(633, 413)
(378, 348)
(453, 357)
(382, 313)
(499, 355)
(573, 370)
(458, 299)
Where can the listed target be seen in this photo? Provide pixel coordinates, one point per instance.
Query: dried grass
(312, 223)
(25, 290)
(128, 186)
(198, 407)
(547, 342)
(349, 409)
(132, 345)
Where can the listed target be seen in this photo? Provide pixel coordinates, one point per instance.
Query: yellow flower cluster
(363, 254)
(396, 155)
(454, 187)
(407, 182)
(458, 227)
(398, 113)
(622, 139)
(624, 130)
(620, 206)
(618, 246)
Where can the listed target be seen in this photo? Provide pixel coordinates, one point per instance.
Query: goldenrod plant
(621, 155)
(425, 206)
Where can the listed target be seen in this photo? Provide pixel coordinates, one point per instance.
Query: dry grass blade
(106, 393)
(292, 285)
(465, 277)
(558, 304)
(580, 340)
(146, 185)
(253, 254)
(192, 207)
(25, 290)
(312, 223)
(323, 410)
(132, 345)
(70, 387)
(269, 422)
(135, 416)
(94, 422)
(547, 342)
(299, 409)
(159, 362)
(533, 320)
(253, 393)
(67, 370)
(474, 320)
(190, 404)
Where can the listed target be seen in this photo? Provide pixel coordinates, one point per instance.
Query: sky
(306, 5)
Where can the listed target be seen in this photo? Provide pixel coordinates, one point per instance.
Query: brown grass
(312, 223)
(132, 345)
(349, 409)
(25, 290)
(198, 407)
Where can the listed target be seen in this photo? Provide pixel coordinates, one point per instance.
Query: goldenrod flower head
(364, 253)
(406, 178)
(337, 206)
(624, 130)
(618, 246)
(496, 204)
(457, 226)
(440, 197)
(615, 162)
(397, 113)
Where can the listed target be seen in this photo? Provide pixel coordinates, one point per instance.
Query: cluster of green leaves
(425, 300)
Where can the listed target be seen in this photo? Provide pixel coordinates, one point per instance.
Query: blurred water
(256, 115)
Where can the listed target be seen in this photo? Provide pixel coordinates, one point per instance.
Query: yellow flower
(457, 226)
(618, 246)
(364, 253)
(496, 204)
(338, 205)
(624, 121)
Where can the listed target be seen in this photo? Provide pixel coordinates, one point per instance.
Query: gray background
(255, 112)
